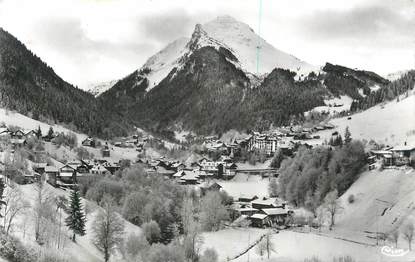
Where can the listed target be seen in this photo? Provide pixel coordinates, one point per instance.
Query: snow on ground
(83, 249)
(335, 105)
(246, 185)
(181, 136)
(27, 123)
(396, 75)
(374, 88)
(396, 187)
(259, 165)
(116, 153)
(98, 88)
(290, 246)
(392, 123)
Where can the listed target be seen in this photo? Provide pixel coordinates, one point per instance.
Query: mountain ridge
(31, 87)
(172, 102)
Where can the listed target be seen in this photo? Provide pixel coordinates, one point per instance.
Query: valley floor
(294, 246)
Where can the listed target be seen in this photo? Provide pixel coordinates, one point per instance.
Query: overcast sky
(89, 41)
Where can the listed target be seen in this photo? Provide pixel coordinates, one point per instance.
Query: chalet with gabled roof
(89, 141)
(68, 174)
(403, 154)
(99, 169)
(51, 174)
(18, 134)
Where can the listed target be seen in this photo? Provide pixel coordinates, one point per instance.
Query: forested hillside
(280, 98)
(388, 92)
(209, 94)
(31, 87)
(342, 80)
(308, 177)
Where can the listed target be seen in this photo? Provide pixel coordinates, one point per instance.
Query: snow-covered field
(349, 237)
(392, 123)
(335, 105)
(371, 190)
(292, 246)
(246, 185)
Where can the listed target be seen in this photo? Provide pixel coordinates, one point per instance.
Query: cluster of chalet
(135, 141)
(193, 172)
(90, 142)
(267, 142)
(393, 156)
(264, 212)
(130, 142)
(18, 137)
(67, 175)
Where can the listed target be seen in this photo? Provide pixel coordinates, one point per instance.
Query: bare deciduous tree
(321, 215)
(42, 208)
(393, 236)
(14, 205)
(108, 228)
(213, 212)
(332, 205)
(191, 227)
(408, 233)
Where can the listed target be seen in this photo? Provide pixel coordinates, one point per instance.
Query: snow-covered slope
(248, 47)
(335, 105)
(391, 123)
(98, 89)
(160, 64)
(83, 249)
(16, 119)
(384, 200)
(396, 75)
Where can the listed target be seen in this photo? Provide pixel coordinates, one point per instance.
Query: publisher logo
(393, 252)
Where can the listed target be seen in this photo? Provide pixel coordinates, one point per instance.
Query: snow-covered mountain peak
(201, 38)
(253, 52)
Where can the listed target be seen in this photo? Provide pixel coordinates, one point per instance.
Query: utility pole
(258, 47)
(249, 242)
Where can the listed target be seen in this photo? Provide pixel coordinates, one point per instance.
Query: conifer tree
(38, 132)
(50, 132)
(347, 136)
(76, 219)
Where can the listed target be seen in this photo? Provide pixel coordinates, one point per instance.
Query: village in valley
(153, 131)
(243, 168)
(248, 172)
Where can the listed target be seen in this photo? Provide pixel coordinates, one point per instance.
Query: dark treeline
(398, 87)
(311, 174)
